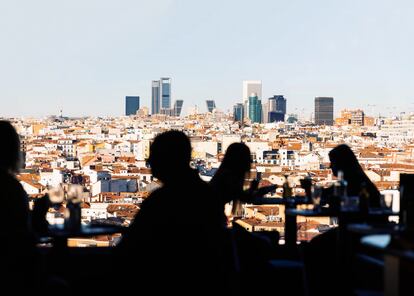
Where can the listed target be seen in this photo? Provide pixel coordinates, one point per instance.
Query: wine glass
(316, 197)
(56, 195)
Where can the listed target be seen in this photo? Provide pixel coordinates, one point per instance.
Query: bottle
(287, 190)
(342, 185)
(339, 189)
(73, 209)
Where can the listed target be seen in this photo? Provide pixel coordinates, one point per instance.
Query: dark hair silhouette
(237, 159)
(170, 153)
(10, 150)
(343, 159)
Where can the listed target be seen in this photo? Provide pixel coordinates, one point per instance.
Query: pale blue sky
(85, 56)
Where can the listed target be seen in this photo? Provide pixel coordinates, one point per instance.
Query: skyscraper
(155, 99)
(178, 105)
(255, 108)
(324, 110)
(238, 112)
(249, 87)
(165, 93)
(277, 108)
(211, 105)
(131, 105)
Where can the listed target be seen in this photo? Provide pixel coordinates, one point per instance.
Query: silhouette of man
(175, 240)
(17, 242)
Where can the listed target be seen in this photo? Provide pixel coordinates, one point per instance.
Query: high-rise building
(155, 99)
(165, 93)
(131, 105)
(211, 105)
(277, 105)
(178, 106)
(275, 116)
(238, 112)
(255, 108)
(324, 107)
(249, 87)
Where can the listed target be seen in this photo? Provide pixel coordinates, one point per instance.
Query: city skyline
(59, 57)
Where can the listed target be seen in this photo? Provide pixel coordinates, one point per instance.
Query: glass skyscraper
(131, 105)
(255, 108)
(178, 106)
(165, 93)
(155, 99)
(324, 110)
(238, 112)
(277, 108)
(211, 105)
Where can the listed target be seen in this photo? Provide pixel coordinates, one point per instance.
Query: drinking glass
(56, 195)
(75, 192)
(316, 197)
(386, 201)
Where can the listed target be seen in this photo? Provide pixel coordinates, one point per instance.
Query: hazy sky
(85, 56)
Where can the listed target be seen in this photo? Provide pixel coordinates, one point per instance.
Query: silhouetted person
(322, 259)
(17, 243)
(253, 250)
(343, 159)
(229, 179)
(175, 242)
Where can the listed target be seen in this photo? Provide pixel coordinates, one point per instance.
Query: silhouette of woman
(228, 181)
(17, 246)
(321, 253)
(343, 159)
(253, 250)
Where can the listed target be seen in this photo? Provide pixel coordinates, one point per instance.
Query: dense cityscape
(107, 156)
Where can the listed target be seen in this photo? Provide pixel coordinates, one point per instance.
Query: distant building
(324, 107)
(249, 87)
(178, 106)
(351, 117)
(275, 116)
(211, 105)
(161, 96)
(131, 105)
(165, 93)
(277, 104)
(238, 112)
(255, 108)
(155, 98)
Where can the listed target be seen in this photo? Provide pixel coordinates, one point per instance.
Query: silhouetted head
(9, 148)
(170, 155)
(343, 159)
(237, 159)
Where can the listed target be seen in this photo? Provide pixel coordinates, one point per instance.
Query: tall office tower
(265, 112)
(165, 93)
(249, 87)
(324, 110)
(255, 108)
(275, 116)
(211, 105)
(155, 99)
(238, 112)
(178, 106)
(131, 105)
(277, 106)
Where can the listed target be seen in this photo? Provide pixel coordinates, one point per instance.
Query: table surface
(59, 230)
(325, 212)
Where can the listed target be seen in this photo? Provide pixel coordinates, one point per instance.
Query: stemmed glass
(316, 197)
(56, 196)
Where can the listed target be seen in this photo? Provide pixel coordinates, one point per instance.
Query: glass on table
(386, 201)
(56, 195)
(316, 197)
(75, 192)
